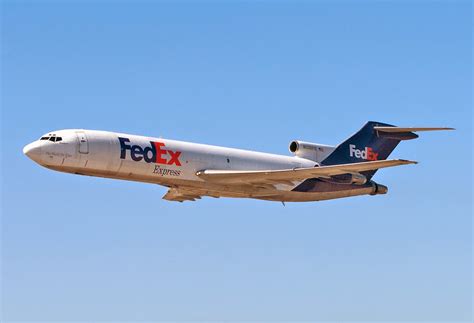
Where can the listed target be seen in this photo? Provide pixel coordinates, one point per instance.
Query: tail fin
(375, 141)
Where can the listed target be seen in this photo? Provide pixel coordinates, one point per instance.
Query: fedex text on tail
(367, 153)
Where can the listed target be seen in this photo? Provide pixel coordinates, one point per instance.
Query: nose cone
(33, 151)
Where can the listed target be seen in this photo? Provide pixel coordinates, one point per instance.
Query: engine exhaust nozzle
(378, 189)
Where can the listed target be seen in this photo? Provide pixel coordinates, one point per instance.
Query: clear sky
(252, 75)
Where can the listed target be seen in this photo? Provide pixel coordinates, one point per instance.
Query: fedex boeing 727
(315, 172)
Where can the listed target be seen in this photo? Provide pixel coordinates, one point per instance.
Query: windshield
(51, 137)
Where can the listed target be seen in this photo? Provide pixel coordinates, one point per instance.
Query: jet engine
(352, 178)
(378, 189)
(358, 179)
(309, 150)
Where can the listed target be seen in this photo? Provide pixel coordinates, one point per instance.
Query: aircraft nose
(33, 151)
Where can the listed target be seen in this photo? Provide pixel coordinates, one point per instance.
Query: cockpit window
(52, 138)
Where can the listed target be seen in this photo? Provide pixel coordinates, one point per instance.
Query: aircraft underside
(185, 190)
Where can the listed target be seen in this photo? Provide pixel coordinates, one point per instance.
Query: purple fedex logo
(155, 153)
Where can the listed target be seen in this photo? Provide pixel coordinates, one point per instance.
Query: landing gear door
(83, 144)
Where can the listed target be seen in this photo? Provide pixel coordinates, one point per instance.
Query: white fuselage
(168, 162)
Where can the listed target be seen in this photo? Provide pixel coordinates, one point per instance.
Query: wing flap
(180, 195)
(297, 174)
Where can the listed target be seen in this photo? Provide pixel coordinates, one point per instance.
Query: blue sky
(251, 75)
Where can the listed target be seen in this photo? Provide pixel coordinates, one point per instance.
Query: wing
(182, 194)
(285, 176)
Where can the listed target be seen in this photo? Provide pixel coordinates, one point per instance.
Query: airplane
(190, 171)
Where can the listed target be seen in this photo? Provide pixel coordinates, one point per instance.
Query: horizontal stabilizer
(410, 129)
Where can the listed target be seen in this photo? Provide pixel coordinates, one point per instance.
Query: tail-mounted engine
(310, 150)
(351, 178)
(378, 189)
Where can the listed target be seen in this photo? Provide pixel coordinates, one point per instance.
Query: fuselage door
(83, 144)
